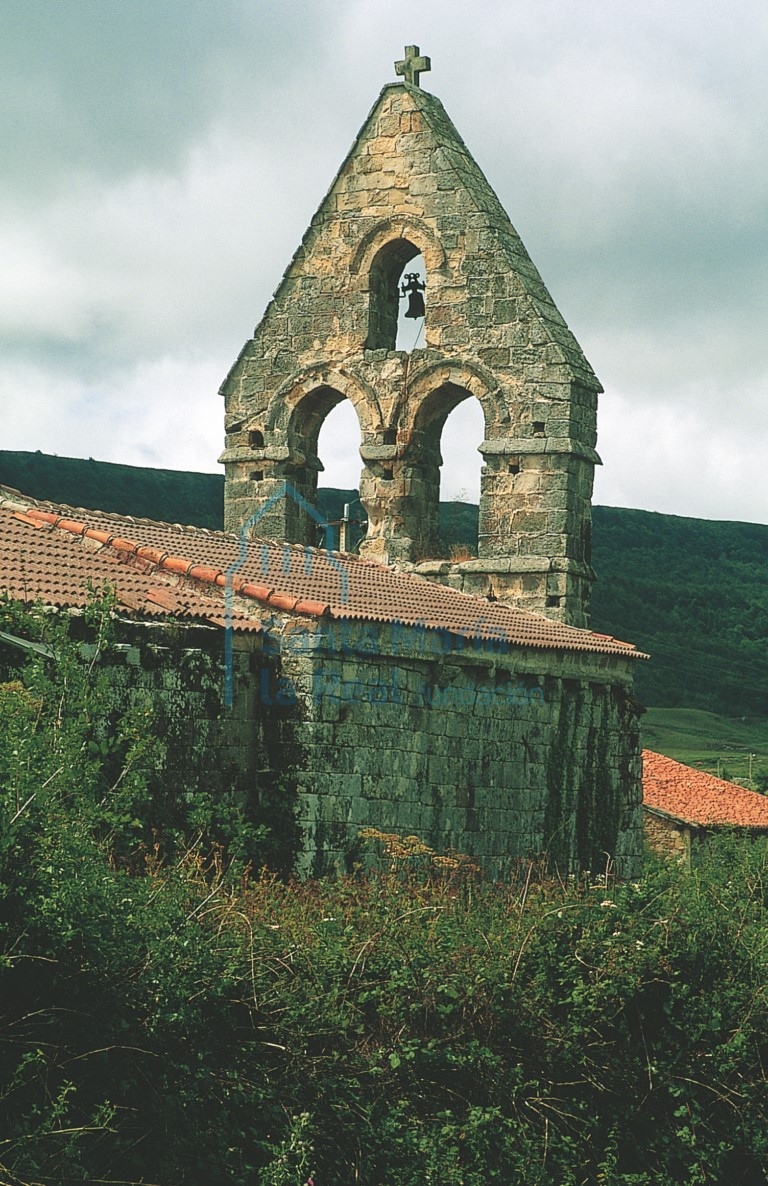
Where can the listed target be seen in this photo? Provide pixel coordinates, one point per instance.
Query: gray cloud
(163, 157)
(105, 88)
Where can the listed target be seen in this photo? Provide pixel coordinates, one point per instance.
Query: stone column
(263, 485)
(400, 490)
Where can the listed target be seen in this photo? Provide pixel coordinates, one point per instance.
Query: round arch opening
(388, 324)
(338, 454)
(462, 434)
(448, 429)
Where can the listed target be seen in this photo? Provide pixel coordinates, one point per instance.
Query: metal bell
(412, 287)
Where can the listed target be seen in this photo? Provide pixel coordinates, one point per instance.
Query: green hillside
(694, 594)
(735, 749)
(175, 496)
(691, 592)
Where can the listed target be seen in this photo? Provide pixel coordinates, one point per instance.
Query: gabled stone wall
(410, 186)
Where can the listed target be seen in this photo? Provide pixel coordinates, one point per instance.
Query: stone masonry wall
(495, 751)
(492, 332)
(666, 837)
(492, 751)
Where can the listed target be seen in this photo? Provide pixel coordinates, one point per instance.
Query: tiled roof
(283, 576)
(61, 568)
(700, 799)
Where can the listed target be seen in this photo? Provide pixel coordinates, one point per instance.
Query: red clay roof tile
(42, 557)
(297, 579)
(163, 597)
(284, 601)
(122, 545)
(257, 592)
(204, 572)
(315, 608)
(71, 525)
(101, 537)
(177, 564)
(694, 797)
(153, 555)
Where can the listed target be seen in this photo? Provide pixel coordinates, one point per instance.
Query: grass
(720, 745)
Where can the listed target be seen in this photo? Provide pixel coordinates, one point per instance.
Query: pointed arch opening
(389, 326)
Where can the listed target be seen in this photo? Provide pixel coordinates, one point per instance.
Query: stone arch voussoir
(424, 388)
(415, 230)
(287, 403)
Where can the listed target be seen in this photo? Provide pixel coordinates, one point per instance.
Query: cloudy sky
(162, 158)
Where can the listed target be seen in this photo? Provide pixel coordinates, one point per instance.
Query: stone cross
(412, 65)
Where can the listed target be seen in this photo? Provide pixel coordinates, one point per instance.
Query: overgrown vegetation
(172, 1015)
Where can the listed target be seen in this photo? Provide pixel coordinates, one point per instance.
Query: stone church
(465, 702)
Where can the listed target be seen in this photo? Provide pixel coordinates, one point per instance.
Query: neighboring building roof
(51, 552)
(701, 800)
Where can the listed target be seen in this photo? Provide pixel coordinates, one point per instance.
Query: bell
(412, 287)
(415, 305)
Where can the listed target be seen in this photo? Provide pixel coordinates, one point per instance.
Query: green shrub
(168, 1017)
